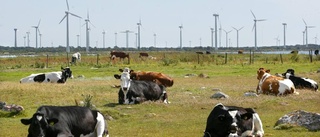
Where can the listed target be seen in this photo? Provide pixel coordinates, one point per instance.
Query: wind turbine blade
(92, 24)
(74, 15)
(254, 26)
(311, 26)
(67, 5)
(234, 28)
(39, 23)
(87, 14)
(304, 22)
(39, 30)
(63, 18)
(241, 28)
(253, 14)
(262, 20)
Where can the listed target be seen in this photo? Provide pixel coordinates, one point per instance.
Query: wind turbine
(181, 36)
(28, 40)
(237, 35)
(67, 20)
(306, 31)
(227, 32)
(277, 41)
(255, 29)
(139, 25)
(216, 16)
(212, 30)
(15, 37)
(284, 34)
(127, 37)
(104, 38)
(87, 32)
(37, 30)
(316, 39)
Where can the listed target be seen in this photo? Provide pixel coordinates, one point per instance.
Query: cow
(49, 77)
(233, 121)
(157, 77)
(138, 91)
(119, 54)
(75, 57)
(143, 54)
(269, 84)
(66, 121)
(300, 82)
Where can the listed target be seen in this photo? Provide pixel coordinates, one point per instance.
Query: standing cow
(66, 121)
(269, 84)
(75, 57)
(300, 82)
(232, 121)
(49, 77)
(136, 91)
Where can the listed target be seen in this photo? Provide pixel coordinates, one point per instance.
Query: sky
(161, 18)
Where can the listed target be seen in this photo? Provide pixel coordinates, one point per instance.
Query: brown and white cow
(158, 77)
(269, 84)
(118, 54)
(143, 54)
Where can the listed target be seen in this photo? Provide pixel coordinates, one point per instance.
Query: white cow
(49, 77)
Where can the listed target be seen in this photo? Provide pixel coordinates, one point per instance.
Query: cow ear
(121, 70)
(25, 121)
(268, 70)
(117, 76)
(52, 121)
(219, 105)
(131, 71)
(62, 68)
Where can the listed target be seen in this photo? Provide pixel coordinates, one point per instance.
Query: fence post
(310, 55)
(97, 59)
(68, 60)
(226, 59)
(47, 60)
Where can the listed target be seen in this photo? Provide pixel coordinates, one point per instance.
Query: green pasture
(190, 105)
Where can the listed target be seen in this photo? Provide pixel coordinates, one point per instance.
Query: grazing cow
(232, 121)
(269, 84)
(143, 54)
(300, 82)
(199, 52)
(157, 77)
(240, 51)
(136, 91)
(49, 77)
(75, 57)
(66, 121)
(119, 54)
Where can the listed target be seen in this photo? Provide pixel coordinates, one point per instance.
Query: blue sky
(160, 17)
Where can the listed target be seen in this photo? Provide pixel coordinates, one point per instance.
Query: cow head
(288, 73)
(125, 83)
(261, 72)
(226, 121)
(39, 125)
(66, 72)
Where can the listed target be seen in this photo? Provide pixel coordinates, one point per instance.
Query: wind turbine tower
(115, 39)
(255, 29)
(237, 35)
(28, 40)
(227, 32)
(212, 30)
(104, 38)
(87, 32)
(37, 30)
(139, 25)
(67, 21)
(15, 37)
(181, 36)
(155, 39)
(306, 31)
(127, 37)
(284, 34)
(215, 34)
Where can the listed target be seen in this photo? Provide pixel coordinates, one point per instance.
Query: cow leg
(165, 97)
(100, 126)
(258, 128)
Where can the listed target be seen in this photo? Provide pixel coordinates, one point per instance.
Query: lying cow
(157, 77)
(66, 121)
(232, 121)
(269, 84)
(136, 91)
(49, 77)
(300, 82)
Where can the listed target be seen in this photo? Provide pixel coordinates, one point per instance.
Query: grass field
(190, 105)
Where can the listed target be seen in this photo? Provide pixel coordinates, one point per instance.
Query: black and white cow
(49, 77)
(232, 121)
(300, 82)
(138, 91)
(75, 57)
(66, 121)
